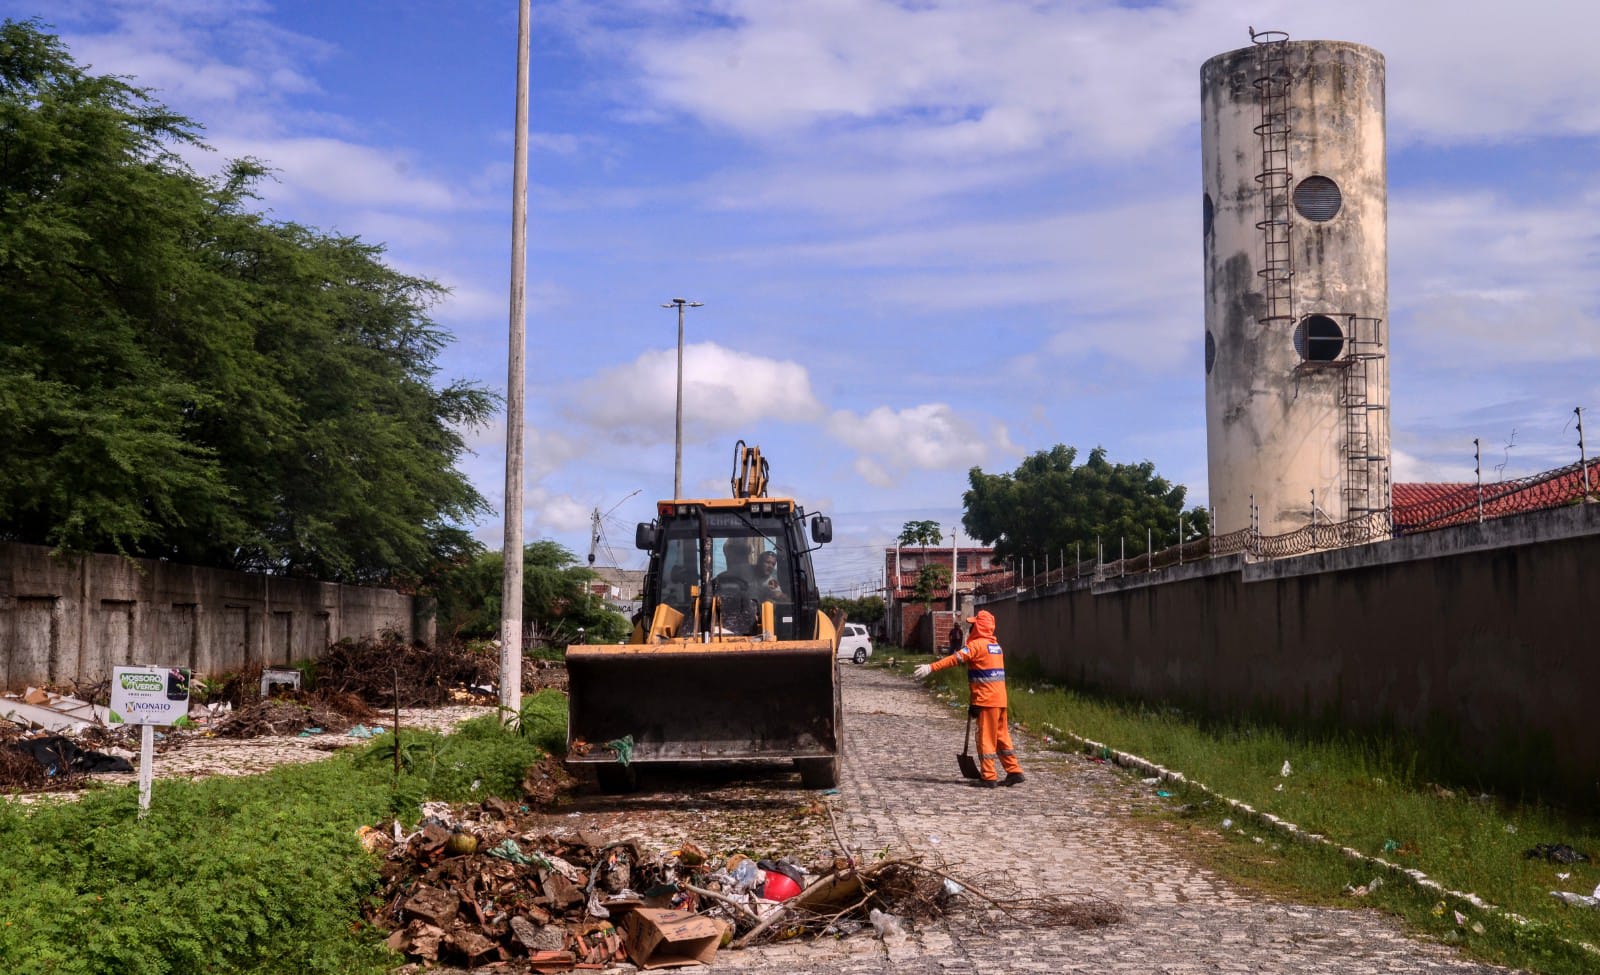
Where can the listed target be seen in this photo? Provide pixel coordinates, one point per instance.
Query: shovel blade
(968, 765)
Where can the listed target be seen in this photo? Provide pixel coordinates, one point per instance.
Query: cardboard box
(668, 939)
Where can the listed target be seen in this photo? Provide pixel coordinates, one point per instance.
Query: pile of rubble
(473, 887)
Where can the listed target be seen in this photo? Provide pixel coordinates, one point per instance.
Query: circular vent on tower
(1318, 338)
(1317, 198)
(1211, 352)
(1208, 215)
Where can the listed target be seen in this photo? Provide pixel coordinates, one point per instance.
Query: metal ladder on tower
(1272, 98)
(1364, 403)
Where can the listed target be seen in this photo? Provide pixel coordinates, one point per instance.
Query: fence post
(1477, 465)
(1583, 458)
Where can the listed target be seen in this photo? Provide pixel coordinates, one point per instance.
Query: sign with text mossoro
(149, 695)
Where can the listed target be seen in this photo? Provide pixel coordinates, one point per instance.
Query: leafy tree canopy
(1048, 505)
(183, 378)
(931, 581)
(868, 609)
(920, 533)
(555, 597)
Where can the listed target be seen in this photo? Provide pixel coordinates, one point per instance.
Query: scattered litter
(1390, 846)
(57, 713)
(886, 925)
(1555, 853)
(1286, 771)
(1227, 824)
(1511, 828)
(363, 731)
(1152, 780)
(1278, 787)
(1163, 793)
(623, 747)
(1351, 890)
(1577, 900)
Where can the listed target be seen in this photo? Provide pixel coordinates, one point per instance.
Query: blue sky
(928, 235)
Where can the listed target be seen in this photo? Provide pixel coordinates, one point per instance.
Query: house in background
(623, 589)
(908, 622)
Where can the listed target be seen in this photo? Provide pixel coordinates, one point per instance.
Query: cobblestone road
(1066, 831)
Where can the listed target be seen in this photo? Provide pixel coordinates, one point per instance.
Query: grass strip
(260, 874)
(1369, 794)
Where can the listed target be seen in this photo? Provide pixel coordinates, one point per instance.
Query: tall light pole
(511, 580)
(677, 443)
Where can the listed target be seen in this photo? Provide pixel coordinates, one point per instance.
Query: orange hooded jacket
(986, 663)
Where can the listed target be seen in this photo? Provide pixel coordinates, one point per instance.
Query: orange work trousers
(994, 742)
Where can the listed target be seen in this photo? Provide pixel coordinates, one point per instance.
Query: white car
(854, 643)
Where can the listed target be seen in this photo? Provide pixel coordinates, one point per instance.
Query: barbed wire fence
(1573, 484)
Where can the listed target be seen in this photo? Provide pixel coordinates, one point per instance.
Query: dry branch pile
(426, 675)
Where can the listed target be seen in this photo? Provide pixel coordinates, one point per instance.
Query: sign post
(148, 696)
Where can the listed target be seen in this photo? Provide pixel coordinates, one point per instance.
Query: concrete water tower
(1295, 218)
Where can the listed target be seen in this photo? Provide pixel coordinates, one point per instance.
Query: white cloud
(547, 513)
(724, 390)
(951, 77)
(929, 437)
(199, 56)
(1479, 278)
(343, 172)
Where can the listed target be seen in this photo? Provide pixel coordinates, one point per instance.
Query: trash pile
(471, 886)
(48, 741)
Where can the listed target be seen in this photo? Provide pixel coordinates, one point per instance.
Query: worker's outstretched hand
(923, 670)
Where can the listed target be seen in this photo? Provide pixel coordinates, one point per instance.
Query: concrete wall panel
(73, 618)
(1477, 638)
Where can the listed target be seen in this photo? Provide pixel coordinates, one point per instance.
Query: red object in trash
(779, 887)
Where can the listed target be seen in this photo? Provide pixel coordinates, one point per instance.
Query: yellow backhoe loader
(731, 659)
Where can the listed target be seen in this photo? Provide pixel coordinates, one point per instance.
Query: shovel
(968, 764)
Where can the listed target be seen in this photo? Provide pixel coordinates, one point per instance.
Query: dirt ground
(200, 754)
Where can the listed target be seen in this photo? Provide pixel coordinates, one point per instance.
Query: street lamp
(677, 444)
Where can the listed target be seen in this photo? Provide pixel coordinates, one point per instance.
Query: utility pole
(516, 380)
(955, 569)
(677, 443)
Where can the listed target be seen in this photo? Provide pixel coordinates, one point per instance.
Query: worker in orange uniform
(986, 681)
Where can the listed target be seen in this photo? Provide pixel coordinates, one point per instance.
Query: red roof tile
(1424, 506)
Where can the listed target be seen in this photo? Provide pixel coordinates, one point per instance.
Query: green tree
(183, 378)
(921, 534)
(932, 580)
(868, 609)
(1049, 506)
(555, 597)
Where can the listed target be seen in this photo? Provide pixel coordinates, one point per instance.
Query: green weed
(260, 874)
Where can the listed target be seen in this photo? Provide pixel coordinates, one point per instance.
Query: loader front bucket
(706, 703)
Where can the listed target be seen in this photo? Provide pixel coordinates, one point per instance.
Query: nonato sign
(149, 695)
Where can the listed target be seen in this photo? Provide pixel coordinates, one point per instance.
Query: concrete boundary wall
(1481, 639)
(75, 617)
